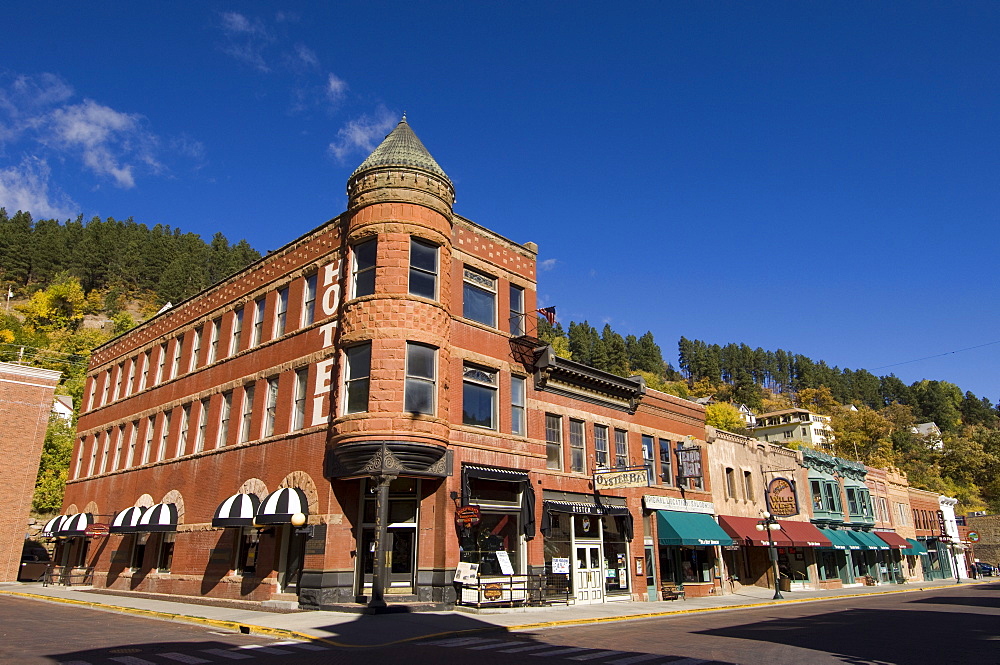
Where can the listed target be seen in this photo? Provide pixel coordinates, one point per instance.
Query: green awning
(841, 540)
(690, 529)
(870, 540)
(916, 548)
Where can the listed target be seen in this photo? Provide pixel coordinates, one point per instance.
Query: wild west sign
(781, 500)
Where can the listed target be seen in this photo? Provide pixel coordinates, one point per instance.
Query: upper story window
(553, 442)
(147, 449)
(183, 434)
(516, 311)
(479, 297)
(363, 269)
(730, 483)
(357, 376)
(271, 406)
(666, 452)
(517, 404)
(130, 382)
(621, 448)
(601, 446)
(146, 359)
(234, 339)
(281, 313)
(748, 485)
(259, 306)
(299, 401)
(161, 363)
(577, 445)
(164, 437)
(215, 327)
(195, 348)
(309, 300)
(225, 413)
(199, 442)
(247, 417)
(119, 377)
(175, 368)
(479, 397)
(421, 373)
(423, 269)
(647, 457)
(133, 440)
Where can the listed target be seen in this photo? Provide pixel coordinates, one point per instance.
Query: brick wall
(25, 403)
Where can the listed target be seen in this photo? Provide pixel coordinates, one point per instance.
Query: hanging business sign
(973, 536)
(467, 516)
(633, 477)
(781, 499)
(689, 462)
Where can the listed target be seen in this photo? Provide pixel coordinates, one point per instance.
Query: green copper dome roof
(401, 147)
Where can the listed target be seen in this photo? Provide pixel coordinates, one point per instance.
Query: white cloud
(362, 134)
(26, 187)
(246, 39)
(104, 138)
(236, 23)
(306, 55)
(336, 88)
(547, 264)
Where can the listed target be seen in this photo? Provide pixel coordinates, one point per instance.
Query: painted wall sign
(658, 502)
(781, 498)
(617, 479)
(973, 536)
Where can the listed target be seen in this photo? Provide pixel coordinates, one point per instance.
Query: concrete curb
(252, 629)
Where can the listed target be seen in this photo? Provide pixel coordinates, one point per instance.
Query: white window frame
(414, 381)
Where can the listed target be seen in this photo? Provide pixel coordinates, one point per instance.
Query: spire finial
(404, 117)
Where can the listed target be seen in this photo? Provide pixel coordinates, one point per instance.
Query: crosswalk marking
(688, 661)
(183, 658)
(131, 660)
(263, 648)
(559, 652)
(533, 647)
(597, 654)
(225, 653)
(635, 659)
(503, 643)
(461, 641)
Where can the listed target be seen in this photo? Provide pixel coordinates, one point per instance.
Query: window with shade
(553, 442)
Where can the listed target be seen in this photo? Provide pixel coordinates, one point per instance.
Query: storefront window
(615, 556)
(495, 532)
(165, 559)
(829, 566)
(245, 561)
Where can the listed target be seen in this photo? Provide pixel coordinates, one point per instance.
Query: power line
(937, 355)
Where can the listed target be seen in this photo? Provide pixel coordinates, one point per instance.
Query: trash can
(785, 583)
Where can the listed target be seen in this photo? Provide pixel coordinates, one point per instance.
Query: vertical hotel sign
(781, 499)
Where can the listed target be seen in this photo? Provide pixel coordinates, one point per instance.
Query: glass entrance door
(588, 576)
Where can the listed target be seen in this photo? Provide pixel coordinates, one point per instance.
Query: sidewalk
(360, 630)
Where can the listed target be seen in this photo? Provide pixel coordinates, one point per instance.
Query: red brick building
(326, 413)
(25, 404)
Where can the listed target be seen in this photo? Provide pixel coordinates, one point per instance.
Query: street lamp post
(770, 524)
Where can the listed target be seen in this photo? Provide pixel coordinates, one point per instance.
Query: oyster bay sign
(630, 477)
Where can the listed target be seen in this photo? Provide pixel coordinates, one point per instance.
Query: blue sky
(818, 177)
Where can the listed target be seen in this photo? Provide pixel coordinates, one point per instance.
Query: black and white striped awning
(76, 525)
(279, 507)
(127, 521)
(237, 510)
(161, 517)
(51, 528)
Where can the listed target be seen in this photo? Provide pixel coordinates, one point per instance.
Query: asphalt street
(945, 625)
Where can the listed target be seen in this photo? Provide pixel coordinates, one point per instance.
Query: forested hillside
(73, 285)
(874, 417)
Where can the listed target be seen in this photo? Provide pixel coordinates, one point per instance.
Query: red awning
(744, 530)
(804, 534)
(893, 539)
